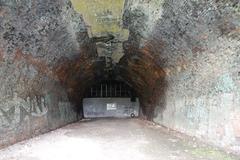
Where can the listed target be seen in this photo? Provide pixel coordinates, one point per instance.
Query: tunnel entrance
(110, 98)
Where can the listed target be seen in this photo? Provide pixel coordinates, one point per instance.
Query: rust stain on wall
(39, 65)
(73, 74)
(140, 68)
(1, 55)
(2, 12)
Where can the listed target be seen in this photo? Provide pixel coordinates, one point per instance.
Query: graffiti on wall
(14, 112)
(196, 110)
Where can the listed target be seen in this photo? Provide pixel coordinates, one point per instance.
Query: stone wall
(35, 37)
(197, 45)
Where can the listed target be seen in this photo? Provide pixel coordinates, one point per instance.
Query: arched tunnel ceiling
(129, 64)
(164, 37)
(154, 41)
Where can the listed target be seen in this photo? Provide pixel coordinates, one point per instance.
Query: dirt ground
(112, 139)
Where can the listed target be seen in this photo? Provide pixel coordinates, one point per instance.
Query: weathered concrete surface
(112, 139)
(37, 40)
(196, 44)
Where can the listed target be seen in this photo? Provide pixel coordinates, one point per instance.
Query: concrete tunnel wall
(181, 57)
(38, 41)
(196, 44)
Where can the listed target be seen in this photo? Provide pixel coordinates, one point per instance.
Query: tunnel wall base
(21, 119)
(214, 120)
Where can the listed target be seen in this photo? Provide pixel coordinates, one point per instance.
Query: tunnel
(168, 63)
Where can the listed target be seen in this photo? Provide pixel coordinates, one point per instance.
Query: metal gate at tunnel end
(110, 99)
